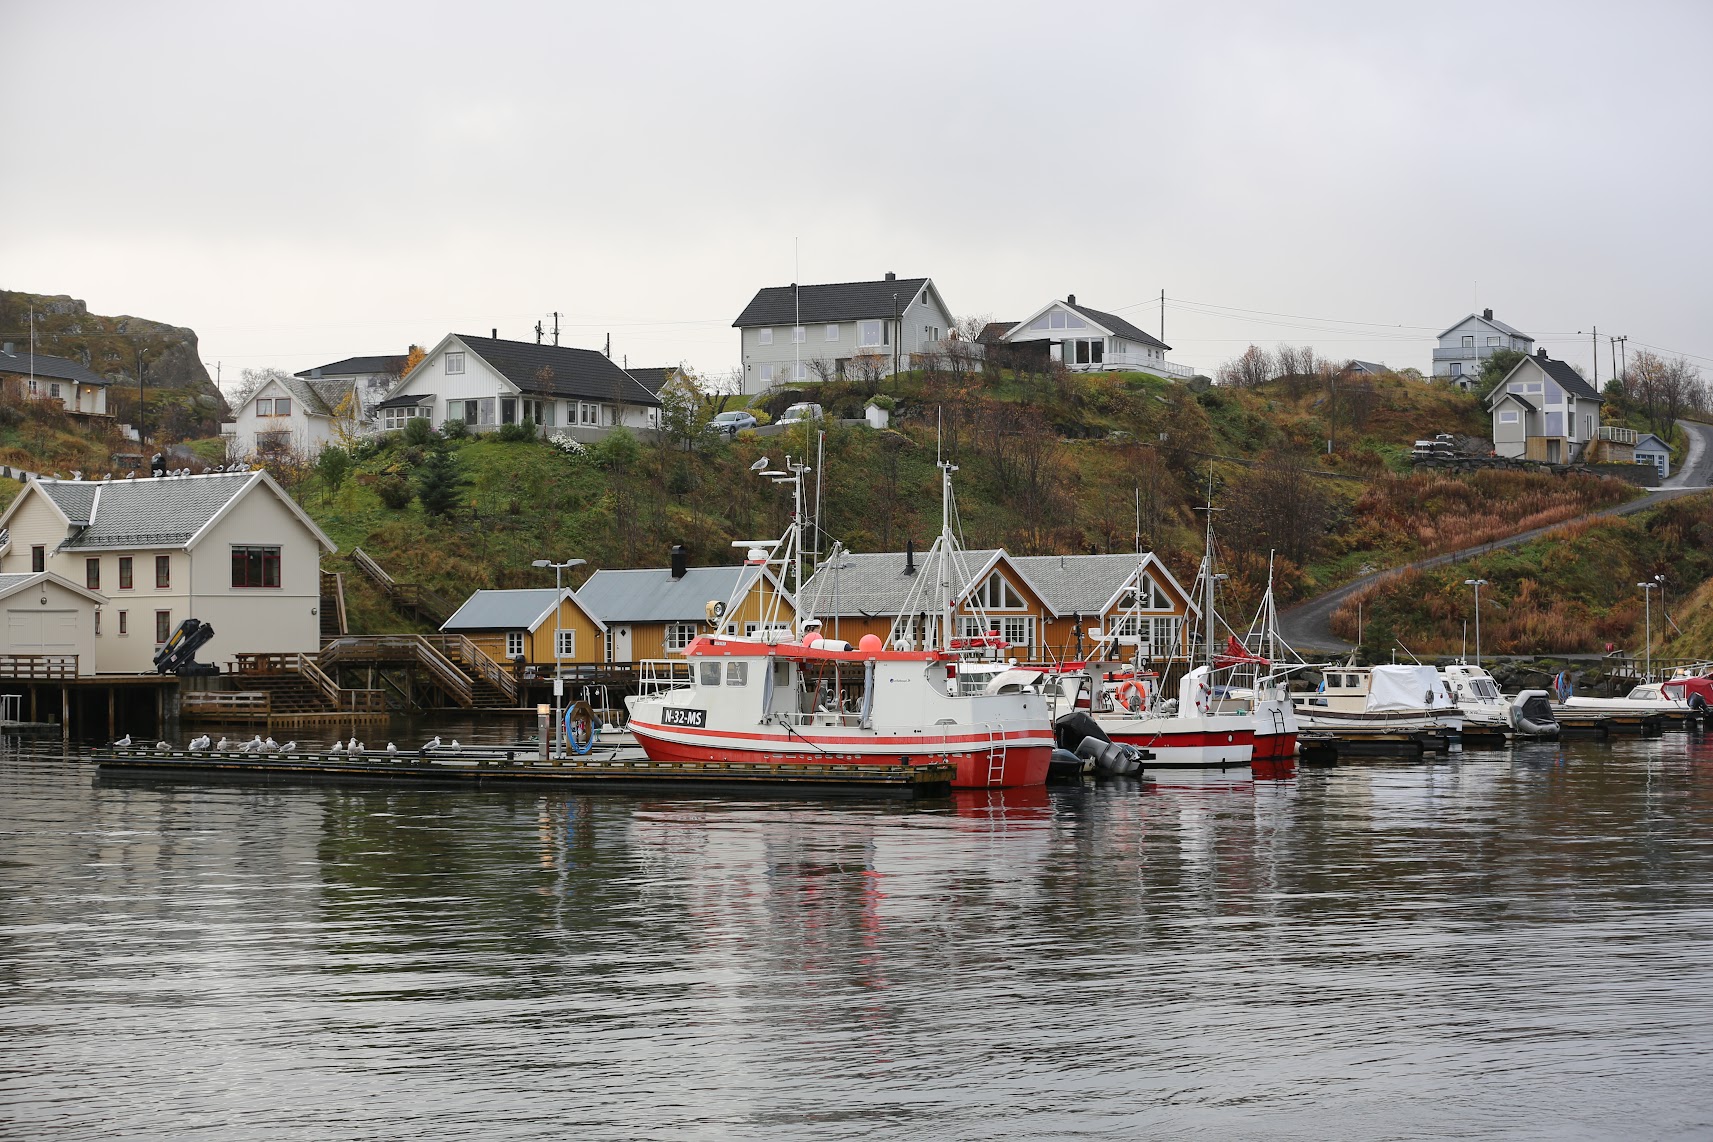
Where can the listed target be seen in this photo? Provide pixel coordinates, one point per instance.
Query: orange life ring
(1127, 689)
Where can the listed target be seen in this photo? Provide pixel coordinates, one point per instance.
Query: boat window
(1351, 682)
(710, 673)
(1484, 688)
(737, 674)
(1334, 681)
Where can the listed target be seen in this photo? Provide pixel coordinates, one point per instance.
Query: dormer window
(265, 407)
(996, 594)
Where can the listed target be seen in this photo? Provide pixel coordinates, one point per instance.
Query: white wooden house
(293, 415)
(1090, 340)
(1650, 449)
(29, 376)
(488, 383)
(231, 549)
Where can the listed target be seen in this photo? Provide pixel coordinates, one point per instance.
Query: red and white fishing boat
(785, 697)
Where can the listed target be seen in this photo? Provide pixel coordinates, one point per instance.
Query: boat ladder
(996, 749)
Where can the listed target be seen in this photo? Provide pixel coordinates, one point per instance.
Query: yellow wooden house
(655, 612)
(1047, 607)
(519, 624)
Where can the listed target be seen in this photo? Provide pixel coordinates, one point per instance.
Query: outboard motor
(1531, 713)
(1109, 757)
(1070, 730)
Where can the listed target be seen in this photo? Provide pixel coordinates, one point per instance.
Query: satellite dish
(758, 465)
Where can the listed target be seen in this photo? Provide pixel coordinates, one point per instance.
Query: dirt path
(1308, 625)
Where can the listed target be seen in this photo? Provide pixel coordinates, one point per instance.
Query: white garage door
(41, 631)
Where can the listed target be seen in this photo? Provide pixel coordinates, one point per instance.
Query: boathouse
(653, 612)
(1045, 606)
(519, 627)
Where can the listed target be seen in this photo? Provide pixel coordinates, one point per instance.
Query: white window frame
(514, 644)
(565, 643)
(679, 636)
(871, 334)
(454, 363)
(800, 371)
(750, 630)
(832, 333)
(764, 336)
(767, 374)
(799, 335)
(1508, 416)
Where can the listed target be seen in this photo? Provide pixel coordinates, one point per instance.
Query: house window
(1090, 352)
(38, 558)
(514, 644)
(1469, 341)
(832, 333)
(930, 332)
(871, 333)
(163, 626)
(124, 623)
(764, 337)
(472, 412)
(124, 572)
(1492, 341)
(1587, 427)
(97, 622)
(588, 413)
(265, 407)
(255, 567)
(163, 570)
(767, 374)
(1018, 630)
(485, 411)
(679, 636)
(53, 389)
(1507, 418)
(92, 574)
(282, 406)
(508, 410)
(608, 646)
(799, 371)
(997, 595)
(1457, 368)
(566, 641)
(797, 335)
(454, 364)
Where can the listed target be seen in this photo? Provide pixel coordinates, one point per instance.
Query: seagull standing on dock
(432, 743)
(197, 745)
(289, 747)
(163, 747)
(338, 746)
(271, 745)
(254, 745)
(223, 744)
(391, 748)
(455, 744)
(124, 742)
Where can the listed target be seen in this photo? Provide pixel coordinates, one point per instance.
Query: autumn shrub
(394, 491)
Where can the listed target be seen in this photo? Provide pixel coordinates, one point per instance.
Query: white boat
(1648, 698)
(1486, 709)
(1370, 701)
(786, 698)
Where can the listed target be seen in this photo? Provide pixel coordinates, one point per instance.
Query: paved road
(1308, 626)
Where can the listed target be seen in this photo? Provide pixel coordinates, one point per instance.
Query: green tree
(1494, 368)
(333, 465)
(684, 412)
(440, 483)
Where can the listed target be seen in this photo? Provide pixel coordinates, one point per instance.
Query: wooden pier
(603, 767)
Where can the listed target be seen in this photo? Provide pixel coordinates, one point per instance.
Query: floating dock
(602, 767)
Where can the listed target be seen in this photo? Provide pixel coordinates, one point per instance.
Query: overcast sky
(304, 182)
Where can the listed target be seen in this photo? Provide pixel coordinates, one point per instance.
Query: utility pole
(556, 327)
(142, 409)
(538, 332)
(1477, 584)
(609, 348)
(1162, 315)
(896, 335)
(1596, 343)
(1623, 356)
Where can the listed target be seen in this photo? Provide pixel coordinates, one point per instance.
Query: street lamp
(558, 656)
(1477, 584)
(1648, 590)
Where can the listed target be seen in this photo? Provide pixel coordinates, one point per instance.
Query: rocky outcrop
(64, 327)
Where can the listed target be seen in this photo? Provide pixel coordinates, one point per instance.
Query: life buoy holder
(1130, 696)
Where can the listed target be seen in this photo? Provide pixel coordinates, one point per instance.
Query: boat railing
(823, 718)
(654, 675)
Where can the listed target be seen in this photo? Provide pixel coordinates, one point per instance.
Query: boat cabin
(1358, 689)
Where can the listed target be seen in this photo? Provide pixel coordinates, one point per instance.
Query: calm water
(1510, 943)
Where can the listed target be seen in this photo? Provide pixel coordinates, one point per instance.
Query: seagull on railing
(254, 745)
(197, 745)
(163, 747)
(289, 747)
(124, 742)
(455, 744)
(391, 748)
(223, 744)
(338, 746)
(271, 745)
(432, 743)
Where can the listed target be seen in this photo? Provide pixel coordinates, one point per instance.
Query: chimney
(680, 563)
(6, 348)
(1487, 313)
(910, 557)
(1070, 299)
(1541, 353)
(890, 276)
(495, 334)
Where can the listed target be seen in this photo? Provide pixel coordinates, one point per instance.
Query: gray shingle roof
(1501, 395)
(653, 379)
(1367, 366)
(164, 512)
(355, 366)
(1568, 378)
(1119, 326)
(874, 583)
(652, 595)
(1078, 584)
(503, 610)
(1494, 322)
(76, 498)
(317, 397)
(53, 368)
(12, 580)
(560, 371)
(841, 301)
(1658, 445)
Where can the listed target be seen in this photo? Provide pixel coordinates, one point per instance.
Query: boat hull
(1022, 760)
(1356, 724)
(1220, 742)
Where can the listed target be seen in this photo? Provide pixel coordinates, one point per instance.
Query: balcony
(1470, 352)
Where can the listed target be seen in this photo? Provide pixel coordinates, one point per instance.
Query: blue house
(1650, 449)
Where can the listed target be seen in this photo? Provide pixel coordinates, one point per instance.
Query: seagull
(391, 748)
(357, 746)
(251, 746)
(123, 742)
(289, 747)
(130, 475)
(455, 744)
(432, 743)
(270, 745)
(163, 747)
(338, 746)
(199, 744)
(223, 744)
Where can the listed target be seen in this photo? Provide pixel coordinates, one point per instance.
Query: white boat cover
(1406, 688)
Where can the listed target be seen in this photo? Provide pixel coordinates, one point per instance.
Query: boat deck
(602, 767)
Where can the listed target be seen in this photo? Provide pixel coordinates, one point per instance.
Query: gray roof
(1080, 584)
(559, 371)
(12, 580)
(652, 595)
(318, 397)
(1562, 374)
(1494, 322)
(151, 512)
(503, 610)
(53, 368)
(1658, 444)
(1118, 325)
(653, 379)
(874, 583)
(1502, 395)
(406, 400)
(1367, 366)
(841, 301)
(358, 366)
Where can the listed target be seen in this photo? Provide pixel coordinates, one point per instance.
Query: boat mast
(946, 548)
(1207, 575)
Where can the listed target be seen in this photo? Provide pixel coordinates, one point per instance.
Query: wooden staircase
(410, 599)
(417, 654)
(296, 684)
(333, 620)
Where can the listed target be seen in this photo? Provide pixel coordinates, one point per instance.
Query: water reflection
(1506, 941)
